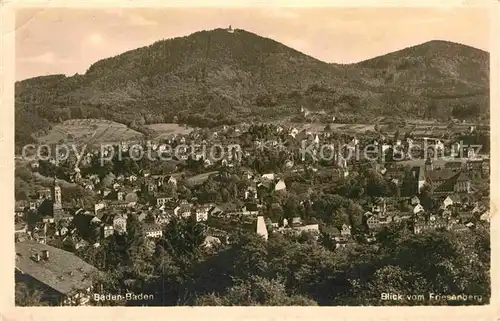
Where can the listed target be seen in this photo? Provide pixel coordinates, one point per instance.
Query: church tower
(56, 199)
(56, 193)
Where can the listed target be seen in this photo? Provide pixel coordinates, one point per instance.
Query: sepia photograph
(252, 156)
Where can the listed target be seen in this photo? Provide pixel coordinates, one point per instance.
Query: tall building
(57, 201)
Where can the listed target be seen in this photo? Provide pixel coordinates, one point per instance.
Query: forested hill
(443, 74)
(214, 77)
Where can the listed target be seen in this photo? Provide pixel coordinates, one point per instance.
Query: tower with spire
(56, 200)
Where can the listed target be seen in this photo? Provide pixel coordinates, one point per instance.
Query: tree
(26, 296)
(150, 218)
(394, 279)
(21, 195)
(397, 135)
(394, 189)
(183, 238)
(291, 207)
(169, 189)
(276, 211)
(108, 180)
(426, 197)
(107, 282)
(254, 292)
(339, 217)
(376, 185)
(136, 249)
(250, 255)
(355, 213)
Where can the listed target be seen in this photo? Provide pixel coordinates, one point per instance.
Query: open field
(165, 130)
(89, 131)
(319, 127)
(199, 179)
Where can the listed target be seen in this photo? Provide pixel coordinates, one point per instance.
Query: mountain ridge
(361, 62)
(214, 77)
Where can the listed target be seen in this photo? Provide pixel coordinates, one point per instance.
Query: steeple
(56, 195)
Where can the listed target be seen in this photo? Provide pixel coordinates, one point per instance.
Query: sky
(69, 40)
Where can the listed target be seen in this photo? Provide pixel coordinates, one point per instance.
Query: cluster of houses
(452, 177)
(119, 200)
(43, 219)
(120, 197)
(453, 214)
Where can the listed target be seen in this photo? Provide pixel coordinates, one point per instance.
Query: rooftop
(443, 174)
(63, 271)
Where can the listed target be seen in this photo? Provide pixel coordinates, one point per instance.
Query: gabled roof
(307, 228)
(185, 207)
(203, 207)
(443, 174)
(215, 209)
(63, 271)
(251, 207)
(152, 227)
(331, 230)
(453, 165)
(463, 177)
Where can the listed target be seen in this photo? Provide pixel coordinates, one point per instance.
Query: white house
(447, 202)
(153, 230)
(346, 230)
(120, 223)
(269, 176)
(280, 185)
(485, 216)
(439, 146)
(293, 132)
(418, 208)
(471, 153)
(183, 210)
(455, 149)
(415, 200)
(211, 241)
(311, 228)
(201, 213)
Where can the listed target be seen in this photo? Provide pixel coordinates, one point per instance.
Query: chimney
(45, 254)
(36, 257)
